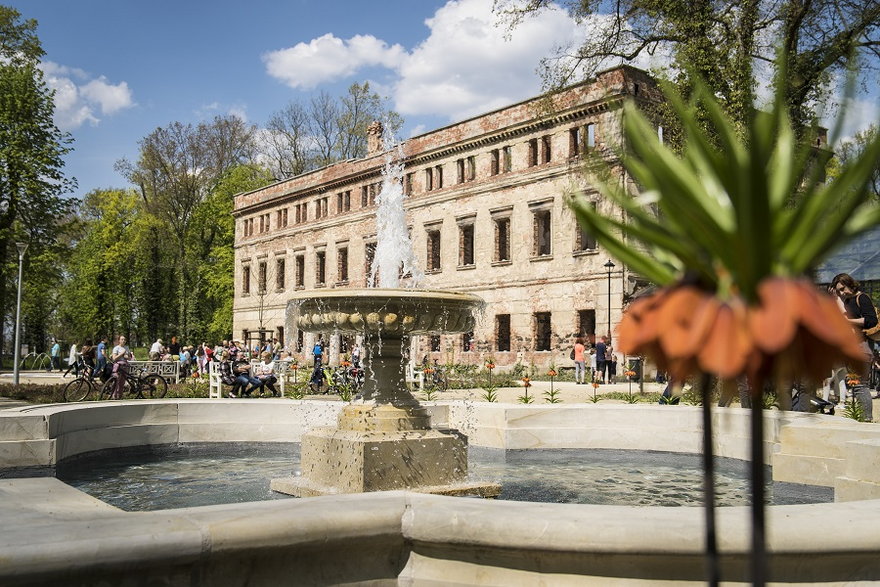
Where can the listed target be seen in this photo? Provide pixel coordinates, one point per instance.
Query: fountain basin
(58, 535)
(388, 312)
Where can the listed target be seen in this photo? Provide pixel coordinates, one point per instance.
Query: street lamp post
(22, 247)
(608, 267)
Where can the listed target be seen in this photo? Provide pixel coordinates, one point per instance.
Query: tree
(305, 137)
(215, 225)
(288, 148)
(360, 107)
(32, 148)
(851, 149)
(720, 41)
(179, 167)
(108, 267)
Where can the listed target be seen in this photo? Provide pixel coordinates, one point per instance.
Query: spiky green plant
(853, 409)
(551, 396)
(729, 227)
(490, 394)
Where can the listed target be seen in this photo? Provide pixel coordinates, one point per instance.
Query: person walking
(72, 361)
(101, 356)
(601, 347)
(580, 364)
(55, 356)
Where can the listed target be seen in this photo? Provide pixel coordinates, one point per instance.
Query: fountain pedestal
(367, 453)
(385, 442)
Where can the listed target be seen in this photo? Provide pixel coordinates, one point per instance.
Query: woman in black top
(857, 305)
(859, 311)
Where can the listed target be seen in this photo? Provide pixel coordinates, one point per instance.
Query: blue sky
(122, 68)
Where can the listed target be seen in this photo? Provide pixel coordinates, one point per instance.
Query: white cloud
(111, 98)
(464, 67)
(328, 58)
(78, 97)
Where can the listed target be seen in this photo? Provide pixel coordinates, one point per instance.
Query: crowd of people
(233, 356)
(601, 360)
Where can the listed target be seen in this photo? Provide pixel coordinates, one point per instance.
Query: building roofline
(422, 136)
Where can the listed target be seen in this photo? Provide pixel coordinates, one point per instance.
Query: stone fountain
(384, 441)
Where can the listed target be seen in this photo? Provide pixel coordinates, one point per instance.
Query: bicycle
(82, 387)
(153, 384)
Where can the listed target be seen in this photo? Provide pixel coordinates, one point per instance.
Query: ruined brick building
(486, 207)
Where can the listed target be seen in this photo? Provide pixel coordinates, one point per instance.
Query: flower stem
(709, 482)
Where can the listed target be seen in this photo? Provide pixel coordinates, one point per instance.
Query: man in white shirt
(157, 350)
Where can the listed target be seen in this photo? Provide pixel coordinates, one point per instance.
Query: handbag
(874, 332)
(571, 355)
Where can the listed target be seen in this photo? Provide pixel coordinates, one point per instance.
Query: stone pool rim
(56, 531)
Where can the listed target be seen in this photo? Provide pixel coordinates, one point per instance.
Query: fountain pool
(56, 534)
(177, 476)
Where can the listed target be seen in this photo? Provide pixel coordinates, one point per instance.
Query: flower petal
(774, 322)
(675, 320)
(728, 345)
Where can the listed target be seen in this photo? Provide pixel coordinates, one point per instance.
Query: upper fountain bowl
(384, 311)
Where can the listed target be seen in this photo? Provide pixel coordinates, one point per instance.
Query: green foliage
(850, 149)
(525, 398)
(691, 395)
(213, 221)
(854, 410)
(35, 393)
(179, 169)
(429, 393)
(108, 267)
(551, 396)
(490, 394)
(298, 390)
(32, 182)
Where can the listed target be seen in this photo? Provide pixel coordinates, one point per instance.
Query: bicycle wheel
(77, 390)
(107, 388)
(154, 385)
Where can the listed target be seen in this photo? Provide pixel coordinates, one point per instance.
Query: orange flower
(552, 373)
(792, 332)
(527, 382)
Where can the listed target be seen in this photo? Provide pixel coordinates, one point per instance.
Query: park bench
(415, 376)
(169, 370)
(215, 384)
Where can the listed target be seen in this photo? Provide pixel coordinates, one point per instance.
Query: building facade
(487, 213)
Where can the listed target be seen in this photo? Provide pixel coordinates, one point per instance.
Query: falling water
(394, 249)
